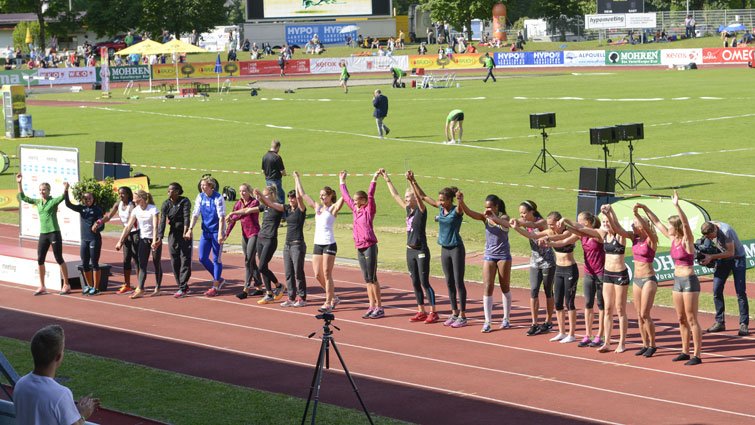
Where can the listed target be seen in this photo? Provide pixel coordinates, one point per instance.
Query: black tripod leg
(642, 177)
(618, 178)
(554, 159)
(536, 165)
(316, 381)
(353, 384)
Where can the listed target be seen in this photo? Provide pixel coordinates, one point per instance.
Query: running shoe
(681, 357)
(85, 290)
(432, 318)
(368, 313)
(325, 309)
(242, 295)
(155, 293)
(288, 303)
(257, 293)
(336, 301)
(450, 321)
(377, 313)
(744, 330)
(585, 342)
(267, 299)
(533, 330)
(212, 292)
(505, 324)
(486, 328)
(558, 337)
(221, 282)
(123, 289)
(650, 351)
(693, 361)
(300, 303)
(179, 294)
(546, 327)
(459, 323)
(137, 294)
(92, 291)
(40, 292)
(641, 351)
(568, 339)
(419, 317)
(596, 342)
(278, 292)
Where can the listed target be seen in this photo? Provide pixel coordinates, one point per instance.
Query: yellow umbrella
(178, 46)
(146, 47)
(29, 38)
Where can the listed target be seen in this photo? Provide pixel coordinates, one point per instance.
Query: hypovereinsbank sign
(633, 57)
(127, 73)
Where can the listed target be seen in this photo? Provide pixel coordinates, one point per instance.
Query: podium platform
(19, 265)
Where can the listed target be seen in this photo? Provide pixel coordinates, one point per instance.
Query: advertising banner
(82, 75)
(633, 57)
(641, 20)
(457, 61)
(728, 55)
(195, 70)
(294, 66)
(8, 199)
(14, 104)
(585, 58)
(359, 64)
(327, 33)
(604, 22)
(53, 165)
(508, 59)
(104, 74)
(681, 56)
(126, 73)
(17, 77)
(314, 9)
(134, 183)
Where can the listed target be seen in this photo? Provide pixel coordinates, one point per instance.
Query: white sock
(506, 298)
(487, 306)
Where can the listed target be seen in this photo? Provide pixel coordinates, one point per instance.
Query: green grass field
(697, 127)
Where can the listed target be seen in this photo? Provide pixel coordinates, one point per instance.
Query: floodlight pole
(540, 162)
(633, 182)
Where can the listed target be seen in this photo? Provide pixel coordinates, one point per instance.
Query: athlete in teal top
(490, 65)
(344, 79)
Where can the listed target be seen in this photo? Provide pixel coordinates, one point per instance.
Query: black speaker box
(603, 135)
(634, 131)
(597, 181)
(111, 152)
(542, 120)
(96, 86)
(592, 203)
(117, 171)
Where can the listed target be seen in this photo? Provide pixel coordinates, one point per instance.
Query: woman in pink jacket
(363, 207)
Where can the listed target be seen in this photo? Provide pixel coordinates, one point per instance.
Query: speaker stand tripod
(540, 162)
(323, 359)
(633, 182)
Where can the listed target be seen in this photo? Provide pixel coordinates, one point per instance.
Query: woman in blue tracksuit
(211, 206)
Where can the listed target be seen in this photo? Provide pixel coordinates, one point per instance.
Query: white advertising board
(620, 20)
(53, 165)
(681, 56)
(584, 58)
(358, 64)
(81, 75)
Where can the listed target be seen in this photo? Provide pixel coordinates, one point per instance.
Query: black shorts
(329, 249)
(616, 278)
(458, 117)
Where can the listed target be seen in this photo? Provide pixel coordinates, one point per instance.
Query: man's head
(275, 145)
(47, 346)
(378, 93)
(709, 230)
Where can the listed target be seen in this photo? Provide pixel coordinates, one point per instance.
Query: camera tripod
(633, 182)
(323, 359)
(540, 163)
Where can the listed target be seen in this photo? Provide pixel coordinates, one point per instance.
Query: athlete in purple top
(363, 208)
(595, 258)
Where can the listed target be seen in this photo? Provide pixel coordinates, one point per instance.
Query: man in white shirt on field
(38, 398)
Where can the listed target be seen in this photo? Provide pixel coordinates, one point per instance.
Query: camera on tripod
(328, 317)
(703, 247)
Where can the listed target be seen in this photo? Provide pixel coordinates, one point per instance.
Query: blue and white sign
(327, 33)
(529, 58)
(509, 58)
(585, 58)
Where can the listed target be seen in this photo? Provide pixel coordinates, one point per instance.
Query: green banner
(126, 73)
(17, 77)
(664, 265)
(633, 57)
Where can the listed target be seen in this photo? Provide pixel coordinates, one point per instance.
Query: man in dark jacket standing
(380, 102)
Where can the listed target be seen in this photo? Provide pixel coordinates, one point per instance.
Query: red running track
(415, 372)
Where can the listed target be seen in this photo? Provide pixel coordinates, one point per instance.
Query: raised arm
(421, 193)
(610, 214)
(654, 219)
(268, 203)
(67, 200)
(529, 235)
(644, 225)
(300, 193)
(581, 230)
(689, 238)
(463, 206)
(300, 190)
(344, 190)
(394, 193)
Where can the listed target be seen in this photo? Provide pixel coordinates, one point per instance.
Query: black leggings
(180, 259)
(566, 286)
(47, 239)
(90, 253)
(418, 262)
(130, 245)
(250, 261)
(541, 277)
(266, 248)
(368, 263)
(452, 260)
(293, 260)
(145, 247)
(593, 288)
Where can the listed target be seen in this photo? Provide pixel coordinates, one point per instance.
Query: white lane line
(333, 366)
(424, 358)
(393, 329)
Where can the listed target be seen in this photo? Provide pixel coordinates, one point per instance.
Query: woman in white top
(146, 215)
(324, 255)
(123, 210)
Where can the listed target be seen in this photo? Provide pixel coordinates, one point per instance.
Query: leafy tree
(19, 34)
(181, 16)
(236, 12)
(111, 17)
(43, 9)
(459, 13)
(105, 196)
(558, 13)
